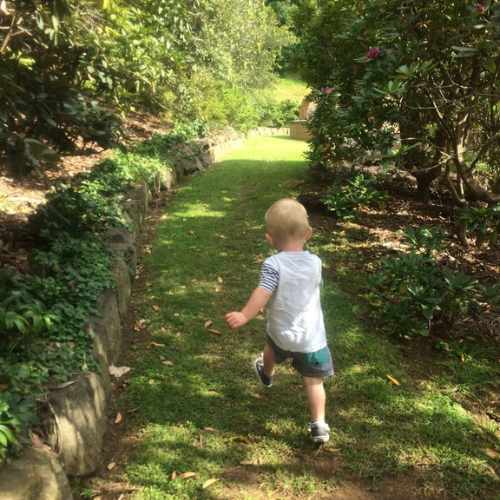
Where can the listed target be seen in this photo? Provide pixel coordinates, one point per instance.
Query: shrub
(350, 192)
(408, 292)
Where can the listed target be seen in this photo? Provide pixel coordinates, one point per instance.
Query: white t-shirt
(294, 318)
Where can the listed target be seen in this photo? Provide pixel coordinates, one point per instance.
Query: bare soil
(378, 236)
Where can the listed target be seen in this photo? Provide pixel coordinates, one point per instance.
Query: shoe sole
(318, 440)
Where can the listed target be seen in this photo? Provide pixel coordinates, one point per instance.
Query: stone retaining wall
(75, 416)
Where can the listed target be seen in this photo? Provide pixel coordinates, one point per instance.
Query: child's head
(287, 219)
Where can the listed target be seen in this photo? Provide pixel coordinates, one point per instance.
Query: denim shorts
(309, 364)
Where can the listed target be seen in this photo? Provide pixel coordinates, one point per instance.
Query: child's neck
(291, 246)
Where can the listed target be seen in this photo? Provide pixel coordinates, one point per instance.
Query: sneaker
(265, 381)
(319, 432)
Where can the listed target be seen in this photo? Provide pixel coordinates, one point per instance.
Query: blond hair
(286, 219)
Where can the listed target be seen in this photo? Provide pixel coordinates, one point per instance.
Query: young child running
(290, 282)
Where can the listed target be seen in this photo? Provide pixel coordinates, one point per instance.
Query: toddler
(290, 282)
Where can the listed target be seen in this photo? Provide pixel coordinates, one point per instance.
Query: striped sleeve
(269, 277)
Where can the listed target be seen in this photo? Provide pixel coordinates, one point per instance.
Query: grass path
(193, 404)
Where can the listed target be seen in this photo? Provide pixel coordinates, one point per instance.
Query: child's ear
(309, 233)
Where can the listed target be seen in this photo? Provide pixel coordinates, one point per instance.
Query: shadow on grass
(200, 407)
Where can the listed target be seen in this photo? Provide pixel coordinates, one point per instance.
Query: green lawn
(193, 401)
(290, 87)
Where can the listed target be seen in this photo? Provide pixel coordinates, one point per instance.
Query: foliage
(407, 293)
(43, 95)
(350, 192)
(482, 222)
(64, 65)
(417, 72)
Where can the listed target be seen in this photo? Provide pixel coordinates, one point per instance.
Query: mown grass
(197, 404)
(289, 86)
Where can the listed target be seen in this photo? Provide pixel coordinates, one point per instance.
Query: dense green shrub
(350, 192)
(407, 293)
(43, 333)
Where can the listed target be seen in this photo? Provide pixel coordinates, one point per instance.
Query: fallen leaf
(189, 475)
(217, 289)
(208, 483)
(240, 439)
(111, 466)
(194, 280)
(215, 332)
(156, 308)
(246, 462)
(491, 453)
(118, 418)
(62, 386)
(220, 280)
(258, 261)
(167, 363)
(173, 475)
(222, 237)
(462, 358)
(118, 371)
(208, 323)
(37, 442)
(121, 497)
(155, 344)
(393, 380)
(151, 381)
(191, 232)
(209, 429)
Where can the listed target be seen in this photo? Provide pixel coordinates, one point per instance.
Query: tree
(426, 70)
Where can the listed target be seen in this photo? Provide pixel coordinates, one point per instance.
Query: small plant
(424, 239)
(482, 222)
(350, 192)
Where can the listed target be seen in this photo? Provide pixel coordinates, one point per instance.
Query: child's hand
(236, 319)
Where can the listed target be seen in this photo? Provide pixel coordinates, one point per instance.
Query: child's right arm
(259, 298)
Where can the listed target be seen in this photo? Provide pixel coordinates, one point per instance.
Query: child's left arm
(259, 298)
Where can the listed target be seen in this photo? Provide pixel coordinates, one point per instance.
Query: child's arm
(259, 298)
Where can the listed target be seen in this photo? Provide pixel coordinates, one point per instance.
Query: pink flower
(479, 8)
(327, 90)
(374, 52)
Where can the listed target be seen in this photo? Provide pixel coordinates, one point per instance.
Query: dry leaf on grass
(393, 380)
(209, 483)
(240, 439)
(155, 344)
(189, 475)
(118, 418)
(215, 332)
(167, 363)
(491, 453)
(208, 323)
(111, 465)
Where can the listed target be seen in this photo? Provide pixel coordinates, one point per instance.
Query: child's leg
(269, 364)
(317, 398)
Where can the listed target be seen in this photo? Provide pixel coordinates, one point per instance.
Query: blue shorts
(309, 364)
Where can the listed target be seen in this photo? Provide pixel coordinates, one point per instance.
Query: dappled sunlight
(200, 406)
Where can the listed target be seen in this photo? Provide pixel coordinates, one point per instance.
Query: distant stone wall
(75, 416)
